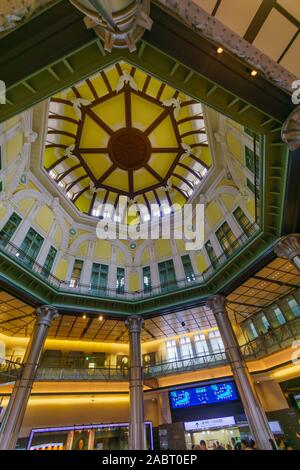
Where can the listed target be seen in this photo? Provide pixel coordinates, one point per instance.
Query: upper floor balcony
(22, 259)
(79, 370)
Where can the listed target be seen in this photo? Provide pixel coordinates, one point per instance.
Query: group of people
(235, 445)
(244, 444)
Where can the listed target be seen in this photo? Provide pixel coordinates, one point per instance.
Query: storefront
(212, 411)
(212, 431)
(112, 436)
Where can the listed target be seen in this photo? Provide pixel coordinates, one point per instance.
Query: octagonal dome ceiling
(124, 132)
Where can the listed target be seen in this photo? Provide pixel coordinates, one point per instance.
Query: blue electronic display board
(211, 394)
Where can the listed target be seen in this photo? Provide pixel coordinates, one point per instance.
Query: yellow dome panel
(112, 111)
(143, 179)
(161, 162)
(118, 179)
(164, 135)
(143, 112)
(92, 135)
(97, 163)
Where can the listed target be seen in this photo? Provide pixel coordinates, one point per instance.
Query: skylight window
(53, 174)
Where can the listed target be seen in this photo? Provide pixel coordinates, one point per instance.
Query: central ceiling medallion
(129, 149)
(123, 132)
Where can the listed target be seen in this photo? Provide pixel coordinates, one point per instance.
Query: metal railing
(75, 370)
(88, 289)
(268, 343)
(86, 374)
(185, 365)
(9, 371)
(64, 372)
(272, 341)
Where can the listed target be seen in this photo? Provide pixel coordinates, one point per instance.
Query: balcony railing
(268, 343)
(274, 340)
(76, 370)
(185, 365)
(9, 371)
(86, 374)
(88, 289)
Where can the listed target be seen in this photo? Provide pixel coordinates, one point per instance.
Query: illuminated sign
(275, 427)
(211, 394)
(297, 400)
(210, 423)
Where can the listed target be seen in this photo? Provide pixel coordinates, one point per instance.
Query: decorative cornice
(45, 314)
(211, 28)
(291, 130)
(134, 324)
(14, 13)
(288, 246)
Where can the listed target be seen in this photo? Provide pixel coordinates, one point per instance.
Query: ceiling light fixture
(100, 318)
(220, 50)
(253, 73)
(83, 316)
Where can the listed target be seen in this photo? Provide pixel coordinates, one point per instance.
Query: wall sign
(210, 423)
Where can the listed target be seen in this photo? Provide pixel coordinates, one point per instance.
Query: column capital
(45, 314)
(134, 324)
(217, 304)
(291, 130)
(288, 246)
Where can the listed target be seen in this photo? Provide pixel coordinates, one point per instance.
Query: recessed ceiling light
(253, 73)
(220, 50)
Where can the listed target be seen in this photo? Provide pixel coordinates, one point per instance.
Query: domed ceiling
(123, 132)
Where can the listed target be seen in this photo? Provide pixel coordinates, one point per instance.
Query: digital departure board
(216, 393)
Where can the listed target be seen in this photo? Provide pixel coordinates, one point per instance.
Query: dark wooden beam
(157, 121)
(130, 183)
(67, 172)
(184, 180)
(190, 170)
(153, 173)
(63, 118)
(106, 81)
(146, 84)
(105, 175)
(54, 164)
(92, 88)
(59, 132)
(71, 185)
(99, 121)
(195, 131)
(93, 150)
(92, 203)
(128, 114)
(80, 193)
